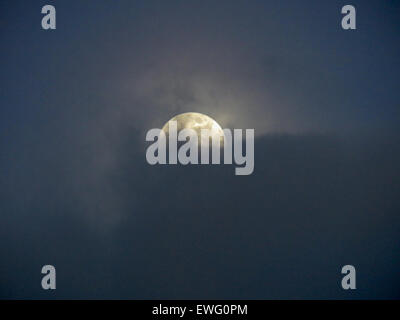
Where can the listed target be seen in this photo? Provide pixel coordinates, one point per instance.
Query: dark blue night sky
(76, 190)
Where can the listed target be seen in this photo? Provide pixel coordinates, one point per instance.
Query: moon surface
(196, 121)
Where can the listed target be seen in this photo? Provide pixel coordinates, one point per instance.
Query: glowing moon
(196, 121)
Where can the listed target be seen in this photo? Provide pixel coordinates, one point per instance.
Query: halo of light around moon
(196, 121)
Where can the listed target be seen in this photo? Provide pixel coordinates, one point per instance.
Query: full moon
(196, 121)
